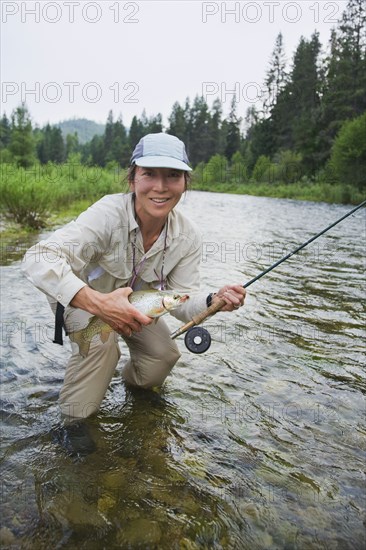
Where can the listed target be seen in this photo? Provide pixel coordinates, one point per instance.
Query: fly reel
(197, 339)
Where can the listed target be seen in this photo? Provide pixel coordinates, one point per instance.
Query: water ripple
(259, 443)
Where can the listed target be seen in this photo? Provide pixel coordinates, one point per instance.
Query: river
(257, 444)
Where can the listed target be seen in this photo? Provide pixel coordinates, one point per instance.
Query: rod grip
(197, 319)
(214, 308)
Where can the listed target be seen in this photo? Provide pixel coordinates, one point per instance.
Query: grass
(49, 196)
(320, 192)
(16, 239)
(34, 197)
(68, 212)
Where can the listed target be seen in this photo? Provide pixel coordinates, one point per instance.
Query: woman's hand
(113, 308)
(234, 296)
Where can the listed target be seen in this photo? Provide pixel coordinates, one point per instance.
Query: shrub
(289, 167)
(348, 155)
(238, 169)
(261, 170)
(29, 195)
(216, 170)
(24, 199)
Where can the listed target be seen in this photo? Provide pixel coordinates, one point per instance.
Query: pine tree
(50, 145)
(136, 132)
(200, 131)
(177, 122)
(108, 139)
(233, 139)
(249, 144)
(276, 76)
(189, 126)
(151, 125)
(96, 151)
(218, 140)
(43, 145)
(120, 152)
(22, 144)
(144, 121)
(57, 153)
(116, 147)
(305, 86)
(293, 124)
(156, 124)
(344, 94)
(4, 132)
(72, 144)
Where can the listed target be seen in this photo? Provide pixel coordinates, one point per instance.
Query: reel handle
(197, 340)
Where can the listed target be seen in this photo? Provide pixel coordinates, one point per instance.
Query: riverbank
(16, 239)
(318, 192)
(12, 234)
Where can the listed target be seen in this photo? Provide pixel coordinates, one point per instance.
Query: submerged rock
(75, 511)
(187, 544)
(106, 503)
(114, 480)
(7, 537)
(140, 532)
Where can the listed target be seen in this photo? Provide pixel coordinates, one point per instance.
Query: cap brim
(161, 162)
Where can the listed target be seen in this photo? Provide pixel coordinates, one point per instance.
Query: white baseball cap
(160, 151)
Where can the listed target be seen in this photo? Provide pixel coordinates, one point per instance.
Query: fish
(153, 303)
(84, 336)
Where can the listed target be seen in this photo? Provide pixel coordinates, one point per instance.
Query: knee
(87, 378)
(148, 372)
(159, 371)
(172, 357)
(166, 360)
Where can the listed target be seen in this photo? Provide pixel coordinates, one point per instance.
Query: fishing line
(198, 339)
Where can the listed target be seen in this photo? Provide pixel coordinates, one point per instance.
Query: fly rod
(198, 340)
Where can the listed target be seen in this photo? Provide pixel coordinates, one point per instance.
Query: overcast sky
(73, 59)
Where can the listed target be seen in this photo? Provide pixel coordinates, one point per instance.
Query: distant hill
(86, 129)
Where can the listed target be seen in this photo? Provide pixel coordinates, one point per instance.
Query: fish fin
(156, 320)
(84, 349)
(104, 335)
(84, 346)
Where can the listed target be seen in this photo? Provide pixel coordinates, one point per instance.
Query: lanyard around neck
(137, 268)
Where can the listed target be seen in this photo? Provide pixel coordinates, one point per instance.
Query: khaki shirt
(97, 250)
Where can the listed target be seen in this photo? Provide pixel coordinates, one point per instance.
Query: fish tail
(84, 348)
(83, 344)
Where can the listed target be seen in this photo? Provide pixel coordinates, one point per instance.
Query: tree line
(304, 107)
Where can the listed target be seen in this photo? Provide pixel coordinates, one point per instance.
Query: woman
(125, 242)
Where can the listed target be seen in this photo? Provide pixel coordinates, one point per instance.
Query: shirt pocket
(118, 263)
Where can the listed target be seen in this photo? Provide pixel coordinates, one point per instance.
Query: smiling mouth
(159, 201)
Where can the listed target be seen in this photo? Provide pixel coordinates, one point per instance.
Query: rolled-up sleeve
(54, 265)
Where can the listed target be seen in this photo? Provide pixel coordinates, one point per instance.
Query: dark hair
(131, 173)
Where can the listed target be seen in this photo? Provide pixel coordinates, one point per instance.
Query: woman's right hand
(114, 308)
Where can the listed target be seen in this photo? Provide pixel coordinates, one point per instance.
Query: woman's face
(157, 191)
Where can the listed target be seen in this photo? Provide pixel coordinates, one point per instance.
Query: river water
(257, 444)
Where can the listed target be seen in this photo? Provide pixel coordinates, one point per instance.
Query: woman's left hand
(234, 296)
